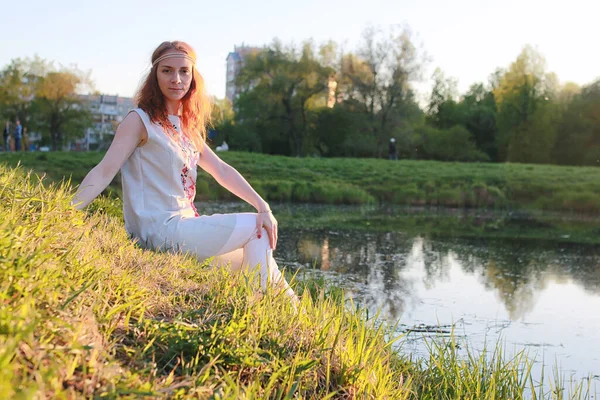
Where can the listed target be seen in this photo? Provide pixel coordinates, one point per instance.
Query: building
(107, 112)
(235, 62)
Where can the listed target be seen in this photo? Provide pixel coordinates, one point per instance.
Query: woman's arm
(232, 180)
(130, 134)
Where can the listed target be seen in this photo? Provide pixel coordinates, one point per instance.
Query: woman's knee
(260, 240)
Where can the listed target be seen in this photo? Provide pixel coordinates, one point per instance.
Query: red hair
(196, 105)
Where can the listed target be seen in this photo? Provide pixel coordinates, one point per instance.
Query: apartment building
(235, 62)
(107, 111)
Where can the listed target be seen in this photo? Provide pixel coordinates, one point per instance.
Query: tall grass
(84, 312)
(454, 372)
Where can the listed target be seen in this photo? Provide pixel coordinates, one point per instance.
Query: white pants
(244, 250)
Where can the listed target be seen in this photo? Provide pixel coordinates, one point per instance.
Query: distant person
(392, 149)
(18, 135)
(158, 147)
(6, 135)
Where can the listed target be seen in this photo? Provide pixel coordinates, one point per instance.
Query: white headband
(173, 55)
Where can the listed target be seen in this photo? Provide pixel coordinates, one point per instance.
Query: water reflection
(368, 262)
(386, 266)
(535, 295)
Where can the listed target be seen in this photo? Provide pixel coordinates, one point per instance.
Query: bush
(449, 196)
(409, 194)
(278, 190)
(239, 137)
(301, 192)
(454, 144)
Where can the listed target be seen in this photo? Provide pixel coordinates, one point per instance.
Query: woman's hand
(267, 220)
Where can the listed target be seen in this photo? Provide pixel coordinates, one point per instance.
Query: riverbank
(490, 186)
(86, 312)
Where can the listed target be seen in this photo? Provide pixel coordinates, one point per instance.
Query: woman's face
(174, 77)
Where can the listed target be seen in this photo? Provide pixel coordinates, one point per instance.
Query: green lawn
(363, 181)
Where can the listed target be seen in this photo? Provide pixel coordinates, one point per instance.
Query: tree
(61, 111)
(443, 110)
(339, 133)
(578, 138)
(18, 82)
(377, 82)
(480, 113)
(278, 88)
(454, 144)
(221, 112)
(45, 98)
(524, 97)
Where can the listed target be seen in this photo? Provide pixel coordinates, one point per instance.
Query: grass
(367, 181)
(84, 312)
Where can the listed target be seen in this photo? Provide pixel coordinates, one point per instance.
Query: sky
(466, 39)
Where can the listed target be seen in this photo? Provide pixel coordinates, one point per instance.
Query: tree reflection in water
(388, 270)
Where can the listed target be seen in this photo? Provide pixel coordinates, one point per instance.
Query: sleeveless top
(159, 184)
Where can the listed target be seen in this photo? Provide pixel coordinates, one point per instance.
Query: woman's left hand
(267, 220)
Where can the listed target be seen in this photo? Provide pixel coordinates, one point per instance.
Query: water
(538, 296)
(541, 296)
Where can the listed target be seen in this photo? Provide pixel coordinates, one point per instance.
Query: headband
(173, 55)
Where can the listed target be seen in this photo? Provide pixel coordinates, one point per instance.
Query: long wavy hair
(196, 105)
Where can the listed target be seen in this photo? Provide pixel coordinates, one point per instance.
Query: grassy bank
(86, 313)
(364, 181)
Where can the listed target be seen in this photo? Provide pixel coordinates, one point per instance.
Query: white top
(159, 184)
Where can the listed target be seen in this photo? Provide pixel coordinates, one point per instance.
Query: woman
(157, 147)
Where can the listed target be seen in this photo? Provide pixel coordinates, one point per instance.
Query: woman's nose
(175, 78)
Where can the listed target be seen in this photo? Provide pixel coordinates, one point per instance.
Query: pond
(537, 295)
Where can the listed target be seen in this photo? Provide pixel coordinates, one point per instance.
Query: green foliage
(278, 85)
(299, 103)
(521, 117)
(301, 192)
(491, 376)
(221, 112)
(45, 99)
(443, 111)
(239, 136)
(339, 133)
(454, 144)
(578, 133)
(480, 119)
(524, 99)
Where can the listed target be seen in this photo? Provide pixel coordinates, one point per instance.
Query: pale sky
(467, 39)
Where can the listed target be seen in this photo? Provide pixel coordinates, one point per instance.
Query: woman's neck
(173, 107)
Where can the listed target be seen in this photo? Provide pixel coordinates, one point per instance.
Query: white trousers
(244, 250)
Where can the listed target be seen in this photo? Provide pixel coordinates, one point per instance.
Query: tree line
(522, 114)
(326, 101)
(45, 99)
